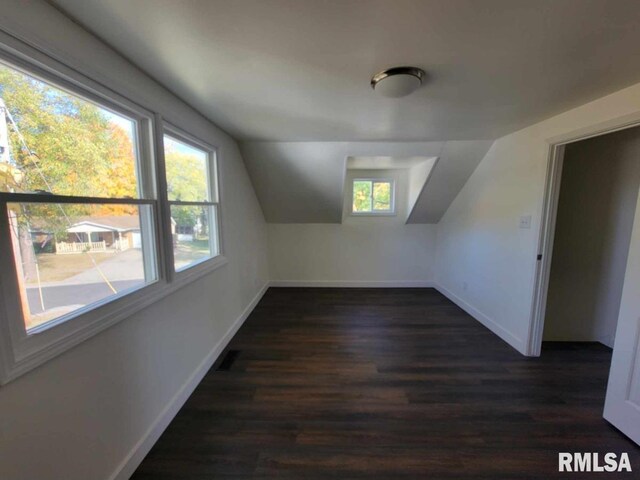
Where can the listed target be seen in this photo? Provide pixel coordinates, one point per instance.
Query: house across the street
(114, 233)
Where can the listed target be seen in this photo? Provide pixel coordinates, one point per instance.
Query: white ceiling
(290, 79)
(298, 70)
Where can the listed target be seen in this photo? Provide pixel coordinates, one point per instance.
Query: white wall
(376, 251)
(82, 413)
(598, 194)
(479, 242)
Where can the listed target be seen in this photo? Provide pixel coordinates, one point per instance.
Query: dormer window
(373, 196)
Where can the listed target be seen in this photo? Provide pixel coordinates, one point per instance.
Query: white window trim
(19, 352)
(375, 213)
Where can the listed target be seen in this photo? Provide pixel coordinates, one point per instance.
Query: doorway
(595, 212)
(599, 266)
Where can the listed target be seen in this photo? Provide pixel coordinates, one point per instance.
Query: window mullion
(372, 183)
(194, 203)
(149, 217)
(165, 241)
(9, 197)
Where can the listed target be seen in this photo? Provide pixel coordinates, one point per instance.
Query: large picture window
(73, 191)
(94, 225)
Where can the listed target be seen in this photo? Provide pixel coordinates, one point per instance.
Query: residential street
(125, 270)
(77, 295)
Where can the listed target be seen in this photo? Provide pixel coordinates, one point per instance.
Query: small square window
(373, 196)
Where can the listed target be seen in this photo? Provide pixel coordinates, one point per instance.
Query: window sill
(35, 349)
(373, 214)
(197, 270)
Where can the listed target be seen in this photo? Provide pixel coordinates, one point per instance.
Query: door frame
(555, 160)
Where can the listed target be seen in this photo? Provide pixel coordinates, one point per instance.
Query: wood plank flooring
(386, 383)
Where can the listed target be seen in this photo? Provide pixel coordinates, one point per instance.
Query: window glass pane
(193, 238)
(382, 196)
(57, 142)
(186, 171)
(70, 256)
(361, 196)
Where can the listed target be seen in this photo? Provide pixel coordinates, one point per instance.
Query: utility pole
(10, 174)
(23, 252)
(7, 168)
(4, 135)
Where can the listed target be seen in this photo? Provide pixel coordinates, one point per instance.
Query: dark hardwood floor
(386, 383)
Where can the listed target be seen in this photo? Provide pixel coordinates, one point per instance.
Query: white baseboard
(606, 340)
(353, 284)
(140, 450)
(500, 331)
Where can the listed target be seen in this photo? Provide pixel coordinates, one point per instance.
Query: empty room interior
(306, 239)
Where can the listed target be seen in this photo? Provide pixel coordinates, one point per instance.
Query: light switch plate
(525, 221)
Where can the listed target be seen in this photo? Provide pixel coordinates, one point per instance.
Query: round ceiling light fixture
(398, 81)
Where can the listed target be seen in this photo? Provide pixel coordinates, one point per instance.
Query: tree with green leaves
(60, 143)
(187, 181)
(66, 144)
(362, 196)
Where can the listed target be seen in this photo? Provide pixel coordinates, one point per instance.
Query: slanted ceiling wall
(302, 182)
(483, 260)
(83, 414)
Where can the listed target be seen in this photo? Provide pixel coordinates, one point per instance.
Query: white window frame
(20, 352)
(207, 264)
(375, 213)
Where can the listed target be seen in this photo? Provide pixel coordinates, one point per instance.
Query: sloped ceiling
(275, 73)
(457, 162)
(303, 182)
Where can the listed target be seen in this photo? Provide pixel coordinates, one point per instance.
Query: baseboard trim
(500, 331)
(606, 340)
(128, 466)
(353, 284)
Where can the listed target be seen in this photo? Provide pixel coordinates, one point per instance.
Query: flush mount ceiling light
(398, 81)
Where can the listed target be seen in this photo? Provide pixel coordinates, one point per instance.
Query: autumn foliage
(67, 145)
